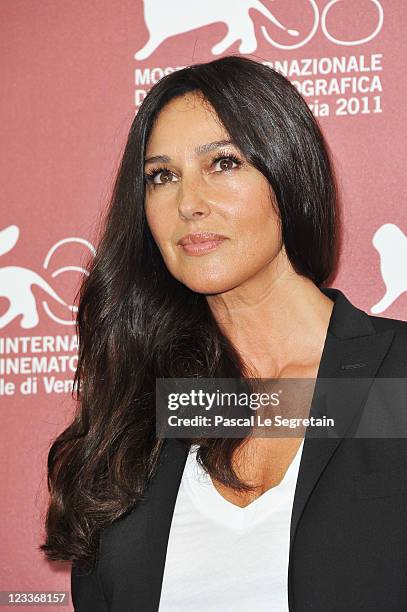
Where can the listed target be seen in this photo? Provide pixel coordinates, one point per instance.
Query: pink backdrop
(73, 74)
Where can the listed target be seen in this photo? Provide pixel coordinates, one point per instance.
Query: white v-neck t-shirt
(224, 558)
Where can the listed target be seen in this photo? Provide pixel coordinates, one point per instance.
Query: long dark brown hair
(136, 322)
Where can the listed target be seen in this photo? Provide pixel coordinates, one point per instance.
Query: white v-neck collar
(207, 499)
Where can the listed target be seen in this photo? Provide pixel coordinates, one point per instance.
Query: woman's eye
(163, 176)
(159, 177)
(227, 162)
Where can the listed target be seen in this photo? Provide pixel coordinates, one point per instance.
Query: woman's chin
(209, 286)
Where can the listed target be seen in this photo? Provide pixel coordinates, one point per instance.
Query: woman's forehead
(187, 124)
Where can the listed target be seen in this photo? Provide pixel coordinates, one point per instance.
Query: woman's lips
(201, 248)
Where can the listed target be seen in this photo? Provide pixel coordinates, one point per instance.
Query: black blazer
(348, 538)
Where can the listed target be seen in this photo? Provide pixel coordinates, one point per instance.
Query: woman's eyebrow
(199, 150)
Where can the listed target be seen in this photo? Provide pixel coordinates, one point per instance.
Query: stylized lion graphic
(16, 283)
(391, 243)
(164, 19)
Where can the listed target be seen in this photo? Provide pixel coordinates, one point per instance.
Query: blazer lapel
(352, 349)
(161, 498)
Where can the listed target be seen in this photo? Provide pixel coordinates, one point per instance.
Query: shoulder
(395, 363)
(385, 323)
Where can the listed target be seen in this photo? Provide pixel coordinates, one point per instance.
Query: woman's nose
(192, 200)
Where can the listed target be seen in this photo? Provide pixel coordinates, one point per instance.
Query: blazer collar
(352, 348)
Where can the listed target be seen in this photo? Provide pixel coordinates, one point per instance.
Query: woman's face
(211, 189)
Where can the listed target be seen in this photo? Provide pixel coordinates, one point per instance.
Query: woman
(222, 228)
